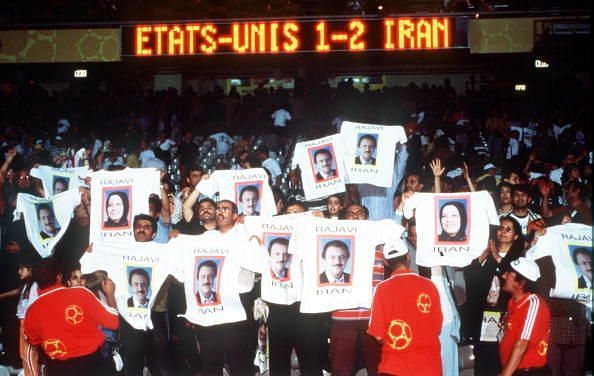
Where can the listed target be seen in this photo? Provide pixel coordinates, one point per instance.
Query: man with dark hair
(524, 346)
(366, 145)
(520, 211)
(140, 281)
(144, 227)
(335, 255)
(206, 276)
(65, 322)
(406, 318)
(413, 182)
(583, 258)
(45, 215)
(323, 161)
(249, 198)
(278, 255)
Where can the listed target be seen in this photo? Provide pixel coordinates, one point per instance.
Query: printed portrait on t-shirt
(366, 149)
(207, 271)
(47, 221)
(277, 246)
(581, 256)
(117, 207)
(335, 259)
(323, 162)
(139, 286)
(60, 184)
(452, 224)
(247, 197)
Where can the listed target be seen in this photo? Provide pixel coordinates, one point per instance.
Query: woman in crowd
(485, 299)
(505, 198)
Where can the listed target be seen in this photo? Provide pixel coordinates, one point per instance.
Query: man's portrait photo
(60, 184)
(139, 284)
(366, 146)
(582, 258)
(48, 225)
(248, 198)
(334, 260)
(278, 256)
(206, 284)
(323, 163)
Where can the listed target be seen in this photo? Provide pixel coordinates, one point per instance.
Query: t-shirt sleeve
(530, 321)
(377, 323)
(410, 205)
(490, 208)
(106, 316)
(31, 327)
(208, 187)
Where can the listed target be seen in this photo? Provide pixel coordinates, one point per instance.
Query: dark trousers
(566, 360)
(348, 340)
(226, 342)
(92, 364)
(542, 371)
(307, 333)
(486, 359)
(150, 347)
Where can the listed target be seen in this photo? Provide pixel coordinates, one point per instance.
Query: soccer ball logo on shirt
(73, 314)
(400, 334)
(55, 349)
(424, 303)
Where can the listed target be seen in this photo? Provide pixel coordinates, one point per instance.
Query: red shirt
(406, 315)
(65, 322)
(527, 319)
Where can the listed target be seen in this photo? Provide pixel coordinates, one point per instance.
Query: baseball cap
(489, 166)
(395, 248)
(527, 268)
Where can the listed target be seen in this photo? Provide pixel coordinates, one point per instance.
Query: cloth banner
(338, 258)
(138, 274)
(322, 167)
(570, 247)
(369, 152)
(452, 228)
(46, 220)
(281, 275)
(248, 189)
(209, 265)
(117, 196)
(58, 180)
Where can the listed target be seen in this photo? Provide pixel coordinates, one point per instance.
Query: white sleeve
(410, 205)
(208, 187)
(489, 207)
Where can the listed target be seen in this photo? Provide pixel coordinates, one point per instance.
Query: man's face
(324, 163)
(206, 278)
(513, 178)
(355, 212)
(139, 285)
(585, 264)
(412, 235)
(279, 255)
(75, 278)
(366, 149)
(336, 258)
(413, 184)
(249, 200)
(510, 285)
(294, 209)
(46, 218)
(206, 211)
(520, 199)
(225, 216)
(194, 178)
(143, 231)
(59, 187)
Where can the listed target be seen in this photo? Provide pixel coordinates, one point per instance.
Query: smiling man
(207, 275)
(335, 255)
(139, 282)
(366, 146)
(323, 161)
(249, 198)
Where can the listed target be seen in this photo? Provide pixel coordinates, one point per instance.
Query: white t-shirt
(248, 189)
(322, 167)
(452, 228)
(273, 167)
(60, 178)
(210, 267)
(369, 152)
(117, 197)
(337, 259)
(224, 142)
(145, 155)
(25, 302)
(523, 221)
(280, 117)
(281, 274)
(138, 273)
(570, 247)
(513, 148)
(46, 220)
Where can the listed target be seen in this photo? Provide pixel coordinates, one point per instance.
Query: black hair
(248, 188)
(145, 217)
(461, 234)
(321, 151)
(44, 206)
(140, 272)
(367, 137)
(46, 272)
(207, 263)
(337, 244)
(361, 206)
(125, 202)
(279, 240)
(233, 206)
(580, 251)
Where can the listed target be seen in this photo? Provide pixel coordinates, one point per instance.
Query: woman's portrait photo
(453, 220)
(117, 208)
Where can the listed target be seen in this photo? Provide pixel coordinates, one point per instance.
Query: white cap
(527, 268)
(488, 166)
(454, 173)
(395, 248)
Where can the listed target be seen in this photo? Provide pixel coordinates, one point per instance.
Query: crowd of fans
(532, 153)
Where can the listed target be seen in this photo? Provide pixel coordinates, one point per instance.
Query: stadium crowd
(532, 153)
